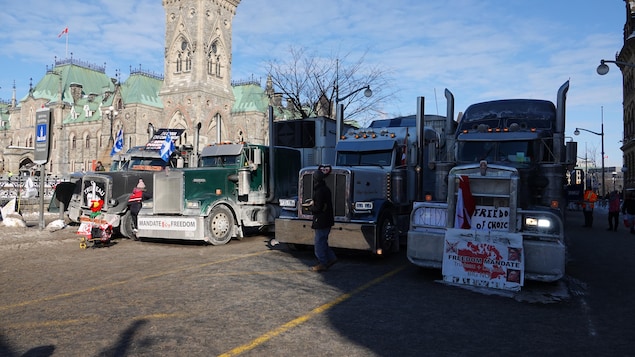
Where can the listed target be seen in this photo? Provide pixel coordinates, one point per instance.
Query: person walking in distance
(628, 209)
(136, 201)
(321, 206)
(614, 211)
(588, 203)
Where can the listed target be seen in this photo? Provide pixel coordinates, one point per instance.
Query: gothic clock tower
(197, 75)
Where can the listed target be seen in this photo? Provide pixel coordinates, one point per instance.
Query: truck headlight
(429, 216)
(192, 204)
(287, 203)
(538, 222)
(363, 206)
(148, 204)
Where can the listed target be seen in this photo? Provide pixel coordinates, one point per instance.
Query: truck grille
(168, 192)
(338, 183)
(95, 187)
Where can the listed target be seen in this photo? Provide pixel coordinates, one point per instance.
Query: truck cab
(114, 187)
(234, 190)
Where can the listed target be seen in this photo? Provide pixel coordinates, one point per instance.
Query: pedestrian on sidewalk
(588, 204)
(628, 209)
(614, 211)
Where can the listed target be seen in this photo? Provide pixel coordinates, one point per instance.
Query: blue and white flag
(118, 143)
(167, 148)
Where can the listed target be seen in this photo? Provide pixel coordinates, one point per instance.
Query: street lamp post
(111, 113)
(339, 109)
(603, 68)
(601, 133)
(366, 89)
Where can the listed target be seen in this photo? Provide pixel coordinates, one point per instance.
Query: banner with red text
(488, 259)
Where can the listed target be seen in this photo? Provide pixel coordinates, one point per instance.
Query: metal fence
(26, 186)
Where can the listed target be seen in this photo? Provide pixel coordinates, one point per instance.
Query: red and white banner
(487, 259)
(465, 204)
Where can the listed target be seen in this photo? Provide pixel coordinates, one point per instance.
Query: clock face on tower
(183, 45)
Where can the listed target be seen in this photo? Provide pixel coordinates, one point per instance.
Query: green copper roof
(142, 89)
(92, 80)
(250, 97)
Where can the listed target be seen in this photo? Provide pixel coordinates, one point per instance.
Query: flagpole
(66, 54)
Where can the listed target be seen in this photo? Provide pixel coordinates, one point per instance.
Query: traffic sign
(42, 136)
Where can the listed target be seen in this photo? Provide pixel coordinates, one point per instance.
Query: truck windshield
(492, 151)
(364, 158)
(218, 161)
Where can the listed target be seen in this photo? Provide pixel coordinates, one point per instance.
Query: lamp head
(576, 132)
(602, 68)
(368, 92)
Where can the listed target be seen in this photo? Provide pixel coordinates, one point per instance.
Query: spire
(13, 96)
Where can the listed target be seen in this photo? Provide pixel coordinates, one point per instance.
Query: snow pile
(10, 218)
(56, 225)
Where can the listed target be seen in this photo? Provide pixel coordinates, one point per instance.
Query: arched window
(210, 64)
(179, 62)
(88, 141)
(188, 62)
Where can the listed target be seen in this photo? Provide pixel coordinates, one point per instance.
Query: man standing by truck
(136, 201)
(321, 205)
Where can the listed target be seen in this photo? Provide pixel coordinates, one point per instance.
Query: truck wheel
(125, 227)
(386, 233)
(220, 224)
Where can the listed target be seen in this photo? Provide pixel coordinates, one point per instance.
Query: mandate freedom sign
(42, 136)
(488, 259)
(170, 224)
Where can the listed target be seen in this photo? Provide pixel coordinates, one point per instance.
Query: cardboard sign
(488, 259)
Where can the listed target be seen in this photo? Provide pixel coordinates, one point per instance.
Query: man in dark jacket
(322, 208)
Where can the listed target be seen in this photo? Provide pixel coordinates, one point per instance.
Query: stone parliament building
(88, 107)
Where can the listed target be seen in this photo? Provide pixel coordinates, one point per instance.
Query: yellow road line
(109, 285)
(297, 321)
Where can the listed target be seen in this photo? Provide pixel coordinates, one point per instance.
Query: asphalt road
(247, 298)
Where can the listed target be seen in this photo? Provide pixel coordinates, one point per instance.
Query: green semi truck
(237, 187)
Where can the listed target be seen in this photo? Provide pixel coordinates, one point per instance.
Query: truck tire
(386, 239)
(220, 225)
(125, 227)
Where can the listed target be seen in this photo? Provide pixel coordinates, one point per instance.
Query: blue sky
(479, 50)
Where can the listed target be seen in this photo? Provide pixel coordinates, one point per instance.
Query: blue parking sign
(42, 136)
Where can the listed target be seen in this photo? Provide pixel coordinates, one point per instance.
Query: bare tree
(311, 85)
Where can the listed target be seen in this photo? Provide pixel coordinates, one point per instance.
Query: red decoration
(96, 205)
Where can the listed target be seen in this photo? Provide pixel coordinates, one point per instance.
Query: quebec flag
(167, 148)
(118, 143)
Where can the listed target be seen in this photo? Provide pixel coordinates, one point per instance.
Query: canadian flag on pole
(64, 31)
(465, 204)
